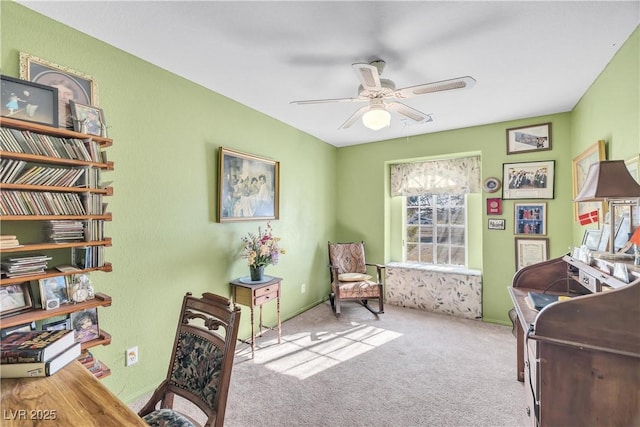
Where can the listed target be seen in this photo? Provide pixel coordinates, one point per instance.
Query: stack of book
(24, 266)
(62, 231)
(8, 242)
(37, 353)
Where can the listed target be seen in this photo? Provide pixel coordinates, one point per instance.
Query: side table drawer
(259, 300)
(266, 290)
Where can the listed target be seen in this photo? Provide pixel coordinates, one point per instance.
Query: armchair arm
(379, 269)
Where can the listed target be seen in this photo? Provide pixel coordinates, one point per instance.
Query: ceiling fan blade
(354, 117)
(465, 82)
(325, 101)
(368, 76)
(409, 112)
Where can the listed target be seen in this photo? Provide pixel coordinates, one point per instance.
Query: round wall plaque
(491, 185)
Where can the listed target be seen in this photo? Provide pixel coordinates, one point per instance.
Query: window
(435, 229)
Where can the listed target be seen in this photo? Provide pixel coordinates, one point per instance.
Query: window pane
(443, 234)
(426, 253)
(426, 234)
(413, 253)
(413, 201)
(457, 256)
(457, 215)
(426, 216)
(457, 236)
(443, 254)
(412, 234)
(413, 216)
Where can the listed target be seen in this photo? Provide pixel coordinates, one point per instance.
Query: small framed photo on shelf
(85, 325)
(529, 138)
(494, 206)
(88, 119)
(72, 85)
(15, 299)
(531, 180)
(28, 101)
(53, 292)
(632, 167)
(248, 187)
(496, 224)
(531, 250)
(530, 218)
(591, 238)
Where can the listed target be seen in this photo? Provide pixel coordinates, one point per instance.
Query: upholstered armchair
(349, 278)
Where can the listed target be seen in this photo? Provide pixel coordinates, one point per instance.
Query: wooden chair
(201, 362)
(349, 278)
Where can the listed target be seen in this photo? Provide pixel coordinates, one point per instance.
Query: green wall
(166, 240)
(166, 133)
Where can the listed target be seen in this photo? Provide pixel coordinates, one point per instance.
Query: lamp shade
(608, 180)
(376, 118)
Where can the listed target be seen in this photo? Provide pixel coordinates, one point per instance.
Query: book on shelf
(34, 346)
(41, 369)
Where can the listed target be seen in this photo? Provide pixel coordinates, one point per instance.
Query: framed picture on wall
(580, 169)
(632, 166)
(28, 101)
(248, 187)
(496, 224)
(531, 250)
(72, 85)
(530, 218)
(531, 180)
(529, 138)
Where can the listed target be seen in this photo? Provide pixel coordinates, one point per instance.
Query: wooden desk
(253, 295)
(71, 397)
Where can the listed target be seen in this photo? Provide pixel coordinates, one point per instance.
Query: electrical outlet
(131, 356)
(303, 288)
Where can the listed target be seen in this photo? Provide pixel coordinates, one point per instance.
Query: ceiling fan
(381, 93)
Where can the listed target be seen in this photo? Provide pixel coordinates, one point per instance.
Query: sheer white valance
(448, 176)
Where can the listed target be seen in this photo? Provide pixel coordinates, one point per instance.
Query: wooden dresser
(579, 358)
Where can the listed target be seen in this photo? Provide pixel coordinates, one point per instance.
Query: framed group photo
(28, 101)
(72, 85)
(529, 138)
(248, 187)
(530, 218)
(531, 180)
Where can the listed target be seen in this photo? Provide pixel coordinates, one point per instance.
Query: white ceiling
(529, 58)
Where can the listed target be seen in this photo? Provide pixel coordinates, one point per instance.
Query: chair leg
(335, 305)
(365, 303)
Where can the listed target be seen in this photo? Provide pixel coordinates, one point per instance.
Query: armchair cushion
(358, 290)
(353, 277)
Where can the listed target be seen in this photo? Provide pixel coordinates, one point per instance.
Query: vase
(257, 272)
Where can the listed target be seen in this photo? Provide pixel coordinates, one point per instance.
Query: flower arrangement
(263, 248)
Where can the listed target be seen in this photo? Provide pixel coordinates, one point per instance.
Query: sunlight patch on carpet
(305, 354)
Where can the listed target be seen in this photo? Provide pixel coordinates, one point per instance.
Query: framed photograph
(18, 328)
(248, 187)
(31, 102)
(580, 169)
(496, 224)
(532, 180)
(632, 166)
(494, 206)
(15, 299)
(530, 218)
(531, 250)
(53, 292)
(58, 325)
(491, 185)
(591, 238)
(85, 324)
(72, 85)
(529, 138)
(88, 119)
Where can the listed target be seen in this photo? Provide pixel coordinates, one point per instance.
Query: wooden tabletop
(70, 397)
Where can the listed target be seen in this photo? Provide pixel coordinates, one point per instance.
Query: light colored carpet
(405, 368)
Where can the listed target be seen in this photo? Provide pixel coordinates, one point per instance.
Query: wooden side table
(256, 294)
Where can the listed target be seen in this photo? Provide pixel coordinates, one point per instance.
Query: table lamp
(635, 239)
(609, 181)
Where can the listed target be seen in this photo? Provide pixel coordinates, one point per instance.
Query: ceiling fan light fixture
(376, 119)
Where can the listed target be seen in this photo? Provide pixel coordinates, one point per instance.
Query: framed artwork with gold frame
(580, 169)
